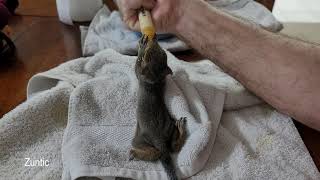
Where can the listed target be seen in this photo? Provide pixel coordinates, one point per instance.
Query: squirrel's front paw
(131, 155)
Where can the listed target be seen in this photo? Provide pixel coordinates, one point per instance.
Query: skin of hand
(165, 13)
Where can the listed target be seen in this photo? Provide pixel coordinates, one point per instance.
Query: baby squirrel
(157, 133)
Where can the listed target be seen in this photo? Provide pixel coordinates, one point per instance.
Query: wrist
(179, 14)
(185, 13)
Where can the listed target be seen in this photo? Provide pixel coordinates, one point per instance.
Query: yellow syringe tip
(149, 31)
(146, 24)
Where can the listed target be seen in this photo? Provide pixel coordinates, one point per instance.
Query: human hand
(165, 13)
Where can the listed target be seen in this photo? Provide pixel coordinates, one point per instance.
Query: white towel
(108, 31)
(252, 141)
(102, 120)
(258, 143)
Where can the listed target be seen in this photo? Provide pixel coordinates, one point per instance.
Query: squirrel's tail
(167, 163)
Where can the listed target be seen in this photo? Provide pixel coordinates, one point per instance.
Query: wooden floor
(43, 43)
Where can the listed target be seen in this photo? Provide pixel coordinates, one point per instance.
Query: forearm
(282, 71)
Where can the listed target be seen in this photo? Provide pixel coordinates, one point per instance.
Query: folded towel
(102, 120)
(252, 141)
(108, 31)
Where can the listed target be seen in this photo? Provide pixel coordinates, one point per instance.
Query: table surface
(43, 42)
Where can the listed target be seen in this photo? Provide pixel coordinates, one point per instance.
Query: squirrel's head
(151, 65)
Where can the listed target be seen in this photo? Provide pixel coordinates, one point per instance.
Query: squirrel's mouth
(146, 44)
(146, 41)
